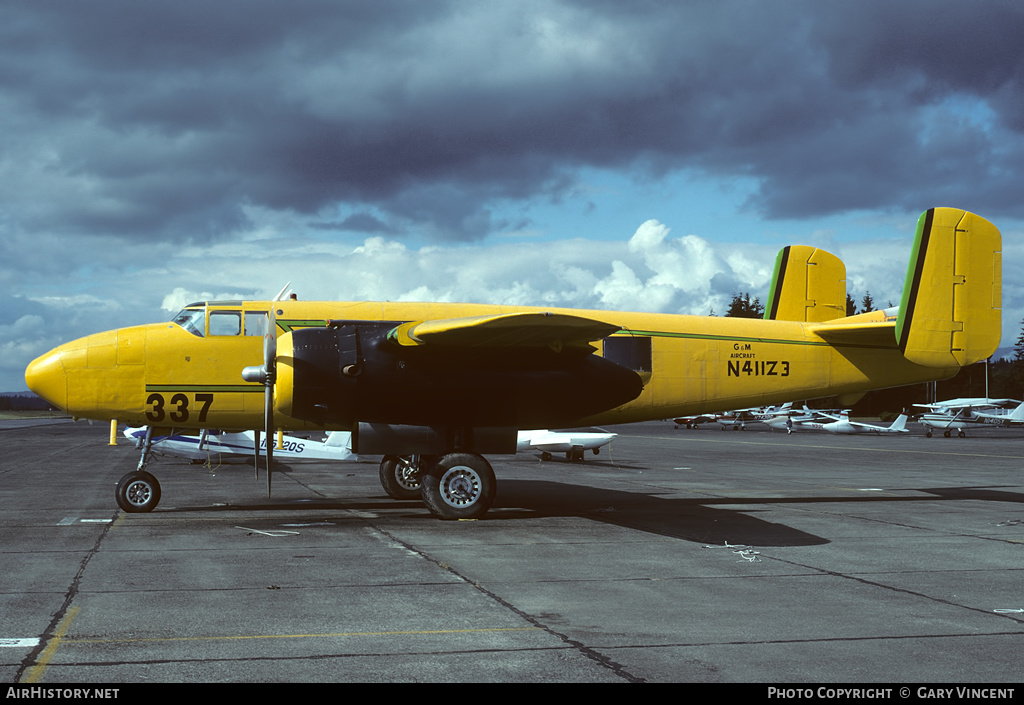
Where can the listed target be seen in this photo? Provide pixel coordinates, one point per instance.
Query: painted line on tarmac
(35, 674)
(71, 521)
(18, 643)
(228, 637)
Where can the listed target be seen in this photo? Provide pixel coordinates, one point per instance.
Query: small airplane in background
(694, 421)
(832, 422)
(796, 420)
(842, 424)
(450, 383)
(957, 414)
(736, 420)
(208, 444)
(573, 443)
(1003, 417)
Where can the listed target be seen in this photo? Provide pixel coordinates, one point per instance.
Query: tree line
(742, 306)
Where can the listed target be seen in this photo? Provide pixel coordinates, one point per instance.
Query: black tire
(138, 492)
(459, 486)
(397, 479)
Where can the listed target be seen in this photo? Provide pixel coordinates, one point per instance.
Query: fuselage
(187, 373)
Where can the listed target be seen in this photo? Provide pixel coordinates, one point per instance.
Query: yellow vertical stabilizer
(809, 285)
(950, 312)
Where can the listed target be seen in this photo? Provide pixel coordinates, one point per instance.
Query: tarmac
(673, 556)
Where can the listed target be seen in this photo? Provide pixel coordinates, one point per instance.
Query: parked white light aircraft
(830, 421)
(1003, 417)
(956, 414)
(572, 443)
(802, 420)
(842, 424)
(738, 419)
(337, 445)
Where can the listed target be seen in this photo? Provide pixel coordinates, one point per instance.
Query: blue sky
(648, 156)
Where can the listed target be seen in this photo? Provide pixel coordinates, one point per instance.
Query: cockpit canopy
(220, 318)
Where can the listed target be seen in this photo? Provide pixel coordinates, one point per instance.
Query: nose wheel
(138, 492)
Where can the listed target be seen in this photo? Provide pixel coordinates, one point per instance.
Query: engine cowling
(350, 372)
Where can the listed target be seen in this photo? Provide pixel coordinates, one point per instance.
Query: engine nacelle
(350, 372)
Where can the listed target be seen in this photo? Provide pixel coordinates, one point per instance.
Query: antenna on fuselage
(281, 294)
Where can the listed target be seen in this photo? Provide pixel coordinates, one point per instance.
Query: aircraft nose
(46, 377)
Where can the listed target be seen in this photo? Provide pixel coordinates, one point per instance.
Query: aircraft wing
(525, 330)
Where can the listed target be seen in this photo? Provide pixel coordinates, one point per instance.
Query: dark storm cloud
(169, 119)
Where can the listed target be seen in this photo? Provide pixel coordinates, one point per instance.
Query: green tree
(742, 307)
(867, 303)
(1018, 347)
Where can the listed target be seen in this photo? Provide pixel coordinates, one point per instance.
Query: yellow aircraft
(444, 384)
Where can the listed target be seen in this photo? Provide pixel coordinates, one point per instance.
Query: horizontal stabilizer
(874, 329)
(809, 285)
(523, 330)
(950, 311)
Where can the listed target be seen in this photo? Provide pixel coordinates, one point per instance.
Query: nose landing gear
(139, 491)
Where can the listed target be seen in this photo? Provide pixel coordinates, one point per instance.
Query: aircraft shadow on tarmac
(692, 519)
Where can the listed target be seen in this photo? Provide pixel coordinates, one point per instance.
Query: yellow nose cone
(46, 377)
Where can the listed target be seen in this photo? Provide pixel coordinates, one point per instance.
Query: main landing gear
(139, 491)
(947, 433)
(400, 477)
(454, 486)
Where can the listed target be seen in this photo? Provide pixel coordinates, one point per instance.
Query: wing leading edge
(512, 330)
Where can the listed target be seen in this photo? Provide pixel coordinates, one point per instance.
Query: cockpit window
(255, 322)
(225, 323)
(192, 319)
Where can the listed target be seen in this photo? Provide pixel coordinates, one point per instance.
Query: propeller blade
(266, 374)
(270, 342)
(270, 365)
(256, 454)
(269, 425)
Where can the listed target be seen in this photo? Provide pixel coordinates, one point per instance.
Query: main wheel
(459, 486)
(399, 478)
(138, 492)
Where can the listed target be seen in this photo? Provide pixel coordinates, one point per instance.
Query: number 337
(176, 408)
